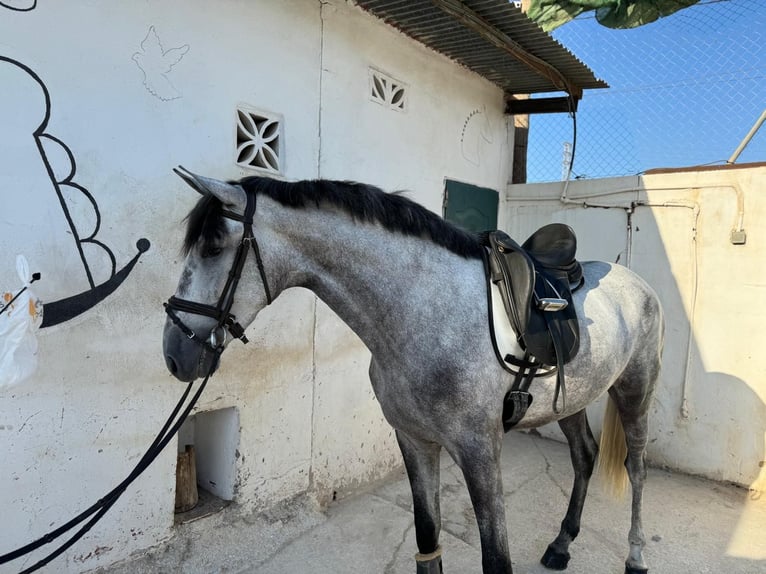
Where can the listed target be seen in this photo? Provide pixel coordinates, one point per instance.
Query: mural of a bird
(156, 63)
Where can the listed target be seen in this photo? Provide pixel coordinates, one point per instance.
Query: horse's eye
(212, 252)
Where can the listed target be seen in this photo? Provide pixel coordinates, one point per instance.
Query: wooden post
(520, 145)
(186, 480)
(521, 134)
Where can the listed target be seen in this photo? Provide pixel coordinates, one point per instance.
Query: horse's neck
(386, 286)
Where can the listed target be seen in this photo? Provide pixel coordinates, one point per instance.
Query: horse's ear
(228, 194)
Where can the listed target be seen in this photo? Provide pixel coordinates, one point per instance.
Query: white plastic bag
(21, 314)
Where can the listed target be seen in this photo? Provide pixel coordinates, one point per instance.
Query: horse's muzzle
(175, 370)
(206, 364)
(185, 359)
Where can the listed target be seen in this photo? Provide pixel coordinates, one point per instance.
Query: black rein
(226, 321)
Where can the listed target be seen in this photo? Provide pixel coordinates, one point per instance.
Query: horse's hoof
(429, 563)
(430, 566)
(635, 570)
(555, 560)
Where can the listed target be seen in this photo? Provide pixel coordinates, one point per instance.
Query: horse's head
(223, 284)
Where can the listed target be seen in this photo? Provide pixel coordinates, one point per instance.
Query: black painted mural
(19, 5)
(45, 213)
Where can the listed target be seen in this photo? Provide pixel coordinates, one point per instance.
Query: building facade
(99, 101)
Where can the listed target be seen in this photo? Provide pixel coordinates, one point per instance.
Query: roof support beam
(564, 104)
(472, 20)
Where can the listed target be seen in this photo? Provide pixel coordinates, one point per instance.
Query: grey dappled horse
(413, 288)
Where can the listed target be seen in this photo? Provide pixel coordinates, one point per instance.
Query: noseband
(221, 312)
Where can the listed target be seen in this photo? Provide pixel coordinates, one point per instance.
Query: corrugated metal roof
(491, 37)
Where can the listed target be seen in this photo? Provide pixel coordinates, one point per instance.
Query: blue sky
(684, 91)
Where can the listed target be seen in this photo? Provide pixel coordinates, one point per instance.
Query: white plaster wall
(709, 416)
(453, 127)
(308, 419)
(77, 428)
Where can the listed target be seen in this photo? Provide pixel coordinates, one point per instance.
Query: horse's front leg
(478, 456)
(421, 459)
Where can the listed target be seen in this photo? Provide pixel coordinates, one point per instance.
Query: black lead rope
(222, 314)
(103, 505)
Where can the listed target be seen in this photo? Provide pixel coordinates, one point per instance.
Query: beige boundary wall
(126, 91)
(682, 231)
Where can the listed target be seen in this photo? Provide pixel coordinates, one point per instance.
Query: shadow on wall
(704, 420)
(717, 418)
(52, 219)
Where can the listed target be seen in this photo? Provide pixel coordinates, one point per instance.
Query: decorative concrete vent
(207, 463)
(259, 140)
(387, 91)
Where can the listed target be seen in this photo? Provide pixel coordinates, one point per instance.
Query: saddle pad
(504, 334)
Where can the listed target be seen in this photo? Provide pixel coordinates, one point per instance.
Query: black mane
(204, 223)
(366, 203)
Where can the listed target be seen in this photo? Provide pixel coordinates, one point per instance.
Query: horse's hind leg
(631, 396)
(583, 450)
(634, 416)
(421, 459)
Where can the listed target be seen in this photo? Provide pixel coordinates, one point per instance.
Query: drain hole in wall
(206, 466)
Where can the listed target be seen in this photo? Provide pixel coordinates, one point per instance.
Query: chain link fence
(685, 91)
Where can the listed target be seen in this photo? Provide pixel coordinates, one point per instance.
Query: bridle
(221, 312)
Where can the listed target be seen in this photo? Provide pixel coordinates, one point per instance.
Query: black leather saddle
(536, 281)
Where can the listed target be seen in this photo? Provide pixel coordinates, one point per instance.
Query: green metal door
(471, 207)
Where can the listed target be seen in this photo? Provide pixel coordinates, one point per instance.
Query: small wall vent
(259, 140)
(387, 91)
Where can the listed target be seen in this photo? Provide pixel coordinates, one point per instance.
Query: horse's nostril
(172, 367)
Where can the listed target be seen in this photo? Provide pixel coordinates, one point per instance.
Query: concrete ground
(692, 526)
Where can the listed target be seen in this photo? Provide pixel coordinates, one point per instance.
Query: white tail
(612, 452)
